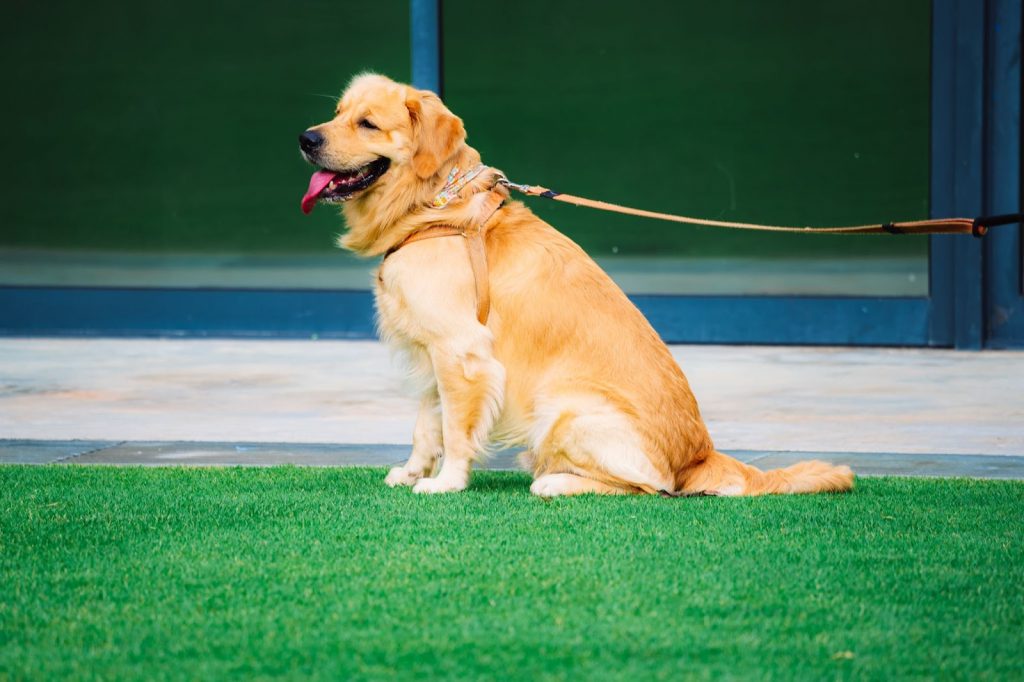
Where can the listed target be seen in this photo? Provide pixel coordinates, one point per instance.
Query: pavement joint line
(239, 453)
(67, 459)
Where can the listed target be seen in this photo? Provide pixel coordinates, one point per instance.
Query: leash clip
(502, 180)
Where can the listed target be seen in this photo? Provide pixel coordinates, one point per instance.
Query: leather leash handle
(982, 224)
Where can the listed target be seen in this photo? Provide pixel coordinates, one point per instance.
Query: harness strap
(476, 247)
(977, 226)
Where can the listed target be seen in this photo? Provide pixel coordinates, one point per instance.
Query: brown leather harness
(476, 245)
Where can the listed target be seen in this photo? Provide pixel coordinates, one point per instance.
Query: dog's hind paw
(556, 485)
(401, 476)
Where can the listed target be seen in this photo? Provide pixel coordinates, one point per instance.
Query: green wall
(172, 126)
(797, 112)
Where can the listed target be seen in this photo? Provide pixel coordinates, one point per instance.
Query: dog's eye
(365, 123)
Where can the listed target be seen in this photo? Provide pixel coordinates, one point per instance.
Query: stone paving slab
(300, 454)
(45, 451)
(244, 454)
(901, 464)
(144, 453)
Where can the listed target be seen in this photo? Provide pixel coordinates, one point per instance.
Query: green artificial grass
(327, 574)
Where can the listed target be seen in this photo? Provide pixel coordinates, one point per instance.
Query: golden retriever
(564, 364)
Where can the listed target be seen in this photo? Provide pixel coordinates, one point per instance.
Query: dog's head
(385, 139)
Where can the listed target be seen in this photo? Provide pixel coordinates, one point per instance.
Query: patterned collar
(457, 179)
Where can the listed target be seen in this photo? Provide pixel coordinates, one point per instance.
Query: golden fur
(565, 365)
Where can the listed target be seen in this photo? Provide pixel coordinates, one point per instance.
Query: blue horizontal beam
(812, 320)
(185, 312)
(28, 311)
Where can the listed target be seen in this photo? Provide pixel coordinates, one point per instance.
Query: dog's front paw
(401, 476)
(439, 485)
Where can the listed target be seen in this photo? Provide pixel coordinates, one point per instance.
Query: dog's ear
(438, 132)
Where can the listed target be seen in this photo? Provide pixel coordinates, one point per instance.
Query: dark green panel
(172, 126)
(807, 112)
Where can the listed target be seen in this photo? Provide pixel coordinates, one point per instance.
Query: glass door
(800, 113)
(806, 113)
(152, 177)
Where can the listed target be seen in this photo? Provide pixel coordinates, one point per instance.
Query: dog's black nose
(310, 141)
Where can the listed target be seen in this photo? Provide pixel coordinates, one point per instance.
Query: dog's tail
(721, 474)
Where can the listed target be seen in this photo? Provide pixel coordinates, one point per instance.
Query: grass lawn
(326, 573)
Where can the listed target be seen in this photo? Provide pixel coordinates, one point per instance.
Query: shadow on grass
(500, 482)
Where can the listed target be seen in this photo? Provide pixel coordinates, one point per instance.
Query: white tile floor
(754, 398)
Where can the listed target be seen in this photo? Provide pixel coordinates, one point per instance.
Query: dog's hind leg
(427, 443)
(596, 444)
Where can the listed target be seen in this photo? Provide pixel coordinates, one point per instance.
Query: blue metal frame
(1005, 310)
(956, 130)
(963, 130)
(427, 49)
(976, 137)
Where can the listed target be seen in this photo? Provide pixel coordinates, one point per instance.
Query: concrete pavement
(870, 405)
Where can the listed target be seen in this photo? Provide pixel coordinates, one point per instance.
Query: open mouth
(335, 187)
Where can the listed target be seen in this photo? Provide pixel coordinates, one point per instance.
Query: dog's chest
(395, 318)
(426, 292)
(388, 302)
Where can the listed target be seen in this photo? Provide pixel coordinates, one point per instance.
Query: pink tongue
(317, 182)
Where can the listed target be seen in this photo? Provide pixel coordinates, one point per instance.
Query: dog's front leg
(471, 386)
(426, 443)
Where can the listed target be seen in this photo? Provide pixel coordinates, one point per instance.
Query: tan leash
(475, 236)
(976, 226)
